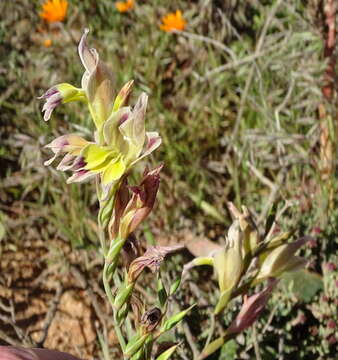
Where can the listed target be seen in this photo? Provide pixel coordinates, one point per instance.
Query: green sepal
(70, 93)
(279, 239)
(96, 157)
(135, 344)
(223, 301)
(123, 295)
(114, 171)
(114, 250)
(213, 346)
(122, 314)
(265, 248)
(271, 219)
(175, 319)
(174, 286)
(139, 355)
(161, 293)
(166, 354)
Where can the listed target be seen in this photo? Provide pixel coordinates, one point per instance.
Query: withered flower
(150, 319)
(137, 308)
(130, 250)
(151, 259)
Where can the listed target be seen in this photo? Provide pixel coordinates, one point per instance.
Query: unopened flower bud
(228, 263)
(281, 259)
(130, 211)
(135, 344)
(122, 97)
(251, 309)
(248, 227)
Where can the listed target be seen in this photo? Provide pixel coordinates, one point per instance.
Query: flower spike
(120, 140)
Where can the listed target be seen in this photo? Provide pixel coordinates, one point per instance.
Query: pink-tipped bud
(251, 309)
(128, 216)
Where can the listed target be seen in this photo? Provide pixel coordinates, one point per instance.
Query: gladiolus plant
(108, 157)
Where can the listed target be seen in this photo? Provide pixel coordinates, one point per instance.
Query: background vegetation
(236, 99)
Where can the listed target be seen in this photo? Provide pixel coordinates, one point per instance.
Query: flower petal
(111, 131)
(60, 93)
(98, 82)
(122, 97)
(56, 154)
(133, 129)
(81, 176)
(113, 172)
(89, 57)
(154, 140)
(68, 143)
(95, 156)
(70, 162)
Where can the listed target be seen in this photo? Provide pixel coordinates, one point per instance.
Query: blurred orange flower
(47, 43)
(54, 10)
(173, 21)
(124, 6)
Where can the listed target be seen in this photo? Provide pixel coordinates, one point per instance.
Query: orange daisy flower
(54, 10)
(173, 21)
(124, 6)
(47, 43)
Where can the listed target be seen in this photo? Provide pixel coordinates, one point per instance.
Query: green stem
(118, 333)
(215, 345)
(106, 285)
(109, 267)
(102, 238)
(243, 289)
(211, 331)
(107, 288)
